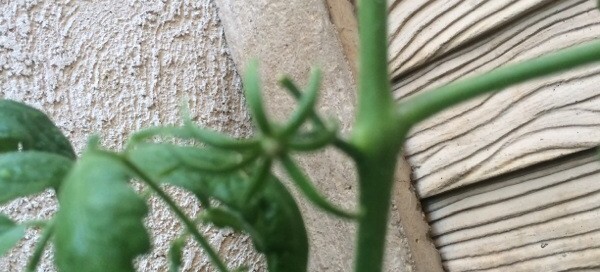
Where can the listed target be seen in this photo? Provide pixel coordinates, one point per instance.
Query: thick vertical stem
(375, 101)
(377, 136)
(376, 177)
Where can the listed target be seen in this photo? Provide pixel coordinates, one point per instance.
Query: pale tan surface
(523, 125)
(423, 30)
(407, 207)
(112, 67)
(342, 13)
(542, 219)
(278, 34)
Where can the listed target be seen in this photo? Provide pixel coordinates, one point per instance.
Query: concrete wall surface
(111, 67)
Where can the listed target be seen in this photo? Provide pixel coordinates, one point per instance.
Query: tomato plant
(99, 224)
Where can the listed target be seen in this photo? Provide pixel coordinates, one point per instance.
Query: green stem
(308, 189)
(376, 134)
(375, 101)
(37, 223)
(189, 224)
(305, 106)
(422, 106)
(319, 140)
(258, 179)
(338, 142)
(254, 98)
(376, 178)
(41, 245)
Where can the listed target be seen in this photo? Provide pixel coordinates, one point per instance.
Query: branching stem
(40, 246)
(189, 223)
(376, 134)
(422, 106)
(339, 143)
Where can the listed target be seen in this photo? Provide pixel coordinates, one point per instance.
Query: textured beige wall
(113, 66)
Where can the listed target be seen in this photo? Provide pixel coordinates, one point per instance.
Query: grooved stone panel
(523, 125)
(421, 31)
(542, 219)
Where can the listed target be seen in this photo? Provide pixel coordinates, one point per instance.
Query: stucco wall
(113, 66)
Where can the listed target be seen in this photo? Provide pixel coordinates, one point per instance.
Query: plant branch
(189, 224)
(318, 140)
(375, 101)
(254, 99)
(191, 131)
(40, 246)
(309, 191)
(37, 223)
(422, 106)
(258, 179)
(305, 106)
(338, 142)
(377, 135)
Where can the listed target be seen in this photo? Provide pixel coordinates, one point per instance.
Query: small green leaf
(99, 226)
(10, 234)
(293, 89)
(308, 189)
(254, 98)
(305, 105)
(30, 172)
(22, 126)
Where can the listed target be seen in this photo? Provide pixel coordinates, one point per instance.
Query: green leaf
(279, 223)
(22, 126)
(271, 217)
(30, 172)
(10, 234)
(99, 225)
(170, 164)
